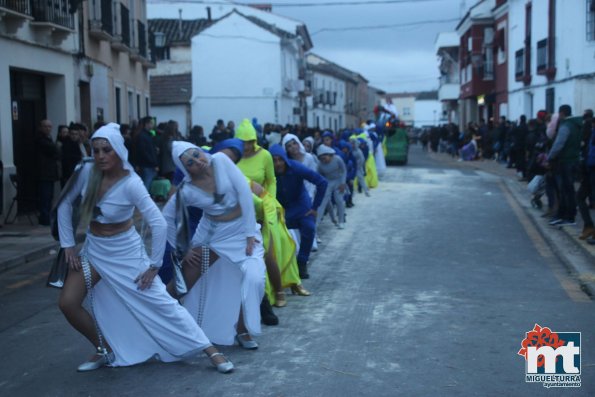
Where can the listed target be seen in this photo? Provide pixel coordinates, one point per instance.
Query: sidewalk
(576, 254)
(22, 242)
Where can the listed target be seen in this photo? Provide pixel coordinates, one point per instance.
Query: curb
(37, 253)
(573, 255)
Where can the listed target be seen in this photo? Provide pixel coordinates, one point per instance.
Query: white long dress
(138, 325)
(235, 280)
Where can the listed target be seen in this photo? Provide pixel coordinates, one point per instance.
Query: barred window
(590, 20)
(541, 55)
(519, 69)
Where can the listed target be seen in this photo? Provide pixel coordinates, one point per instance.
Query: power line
(343, 3)
(373, 27)
(318, 4)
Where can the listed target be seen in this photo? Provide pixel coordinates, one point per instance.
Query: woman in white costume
(133, 318)
(224, 269)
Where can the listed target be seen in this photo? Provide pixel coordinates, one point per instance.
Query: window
(519, 64)
(549, 100)
(488, 67)
(501, 46)
(406, 111)
(590, 20)
(118, 106)
(541, 55)
(138, 107)
(130, 106)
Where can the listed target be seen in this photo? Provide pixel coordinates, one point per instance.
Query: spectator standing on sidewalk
(73, 152)
(146, 153)
(591, 169)
(587, 168)
(564, 160)
(519, 147)
(47, 156)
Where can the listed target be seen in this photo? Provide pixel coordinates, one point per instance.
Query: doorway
(27, 91)
(85, 95)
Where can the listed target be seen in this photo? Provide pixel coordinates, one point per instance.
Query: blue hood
(277, 150)
(232, 143)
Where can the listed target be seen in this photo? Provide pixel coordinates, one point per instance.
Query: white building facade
(552, 56)
(447, 50)
(428, 110)
(252, 74)
(328, 105)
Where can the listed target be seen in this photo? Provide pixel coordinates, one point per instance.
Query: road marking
(570, 285)
(28, 281)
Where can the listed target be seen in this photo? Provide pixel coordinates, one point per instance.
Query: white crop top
(116, 206)
(231, 184)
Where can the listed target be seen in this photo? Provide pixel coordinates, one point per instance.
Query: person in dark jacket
(564, 159)
(73, 152)
(47, 156)
(300, 211)
(146, 153)
(587, 168)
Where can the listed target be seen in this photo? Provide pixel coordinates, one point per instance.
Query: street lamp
(159, 39)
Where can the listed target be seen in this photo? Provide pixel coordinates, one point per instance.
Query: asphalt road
(429, 290)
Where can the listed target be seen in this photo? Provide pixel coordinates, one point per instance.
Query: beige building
(86, 63)
(405, 104)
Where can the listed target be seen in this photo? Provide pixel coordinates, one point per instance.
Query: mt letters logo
(552, 358)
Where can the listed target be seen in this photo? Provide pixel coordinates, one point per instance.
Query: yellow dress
(271, 215)
(371, 173)
(259, 168)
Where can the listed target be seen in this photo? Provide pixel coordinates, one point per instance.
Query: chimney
(180, 24)
(209, 14)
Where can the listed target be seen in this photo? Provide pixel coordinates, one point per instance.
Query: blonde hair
(90, 199)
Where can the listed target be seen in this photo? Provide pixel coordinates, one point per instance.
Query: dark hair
(566, 109)
(145, 120)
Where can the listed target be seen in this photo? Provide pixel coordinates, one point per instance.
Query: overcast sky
(393, 59)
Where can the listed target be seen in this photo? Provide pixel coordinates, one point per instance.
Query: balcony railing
(125, 18)
(142, 39)
(52, 11)
(20, 6)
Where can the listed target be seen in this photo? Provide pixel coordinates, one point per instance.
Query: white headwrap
(323, 149)
(290, 137)
(177, 149)
(111, 132)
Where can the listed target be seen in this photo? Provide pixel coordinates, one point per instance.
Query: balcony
(52, 20)
(101, 24)
(142, 39)
(52, 14)
(449, 92)
(120, 41)
(13, 13)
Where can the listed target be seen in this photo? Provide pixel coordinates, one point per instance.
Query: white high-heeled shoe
(246, 344)
(224, 367)
(100, 359)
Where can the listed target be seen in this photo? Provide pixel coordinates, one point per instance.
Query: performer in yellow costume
(256, 162)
